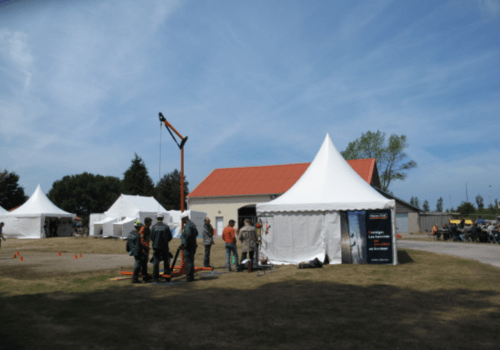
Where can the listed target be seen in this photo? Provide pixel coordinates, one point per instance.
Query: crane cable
(159, 171)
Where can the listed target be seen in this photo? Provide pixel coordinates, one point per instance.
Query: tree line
(86, 193)
(464, 208)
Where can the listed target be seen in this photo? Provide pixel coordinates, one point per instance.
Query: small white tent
(306, 221)
(124, 210)
(27, 221)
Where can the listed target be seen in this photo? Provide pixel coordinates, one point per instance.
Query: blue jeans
(231, 247)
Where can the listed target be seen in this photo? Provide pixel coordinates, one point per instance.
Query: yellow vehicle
(456, 222)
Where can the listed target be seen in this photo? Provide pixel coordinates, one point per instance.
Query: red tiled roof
(270, 179)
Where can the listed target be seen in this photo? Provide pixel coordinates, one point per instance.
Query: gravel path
(45, 262)
(485, 253)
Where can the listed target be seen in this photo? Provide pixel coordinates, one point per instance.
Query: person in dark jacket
(189, 245)
(136, 249)
(160, 236)
(208, 241)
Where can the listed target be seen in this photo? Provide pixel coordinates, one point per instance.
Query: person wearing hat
(189, 245)
(160, 236)
(136, 249)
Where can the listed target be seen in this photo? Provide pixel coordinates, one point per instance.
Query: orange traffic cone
(17, 253)
(59, 253)
(81, 255)
(15, 256)
(76, 256)
(21, 259)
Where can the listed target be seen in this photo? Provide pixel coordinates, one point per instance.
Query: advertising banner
(366, 237)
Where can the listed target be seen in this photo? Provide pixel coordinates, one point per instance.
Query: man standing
(136, 249)
(145, 233)
(248, 238)
(189, 245)
(1, 235)
(208, 240)
(229, 237)
(160, 236)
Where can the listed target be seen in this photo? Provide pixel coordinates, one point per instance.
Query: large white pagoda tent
(306, 220)
(28, 220)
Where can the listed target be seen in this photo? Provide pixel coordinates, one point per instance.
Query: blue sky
(251, 83)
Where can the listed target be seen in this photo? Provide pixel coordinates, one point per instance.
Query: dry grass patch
(430, 301)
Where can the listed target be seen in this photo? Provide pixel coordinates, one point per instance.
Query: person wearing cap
(208, 241)
(189, 245)
(229, 236)
(145, 233)
(136, 249)
(160, 236)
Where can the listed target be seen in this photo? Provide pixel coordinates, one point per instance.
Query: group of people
(479, 231)
(144, 237)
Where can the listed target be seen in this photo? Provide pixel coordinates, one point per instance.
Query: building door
(219, 225)
(402, 222)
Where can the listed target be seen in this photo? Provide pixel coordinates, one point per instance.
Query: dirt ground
(48, 262)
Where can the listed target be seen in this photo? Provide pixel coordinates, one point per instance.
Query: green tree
(391, 159)
(415, 202)
(85, 194)
(425, 206)
(136, 180)
(439, 205)
(168, 190)
(466, 208)
(11, 194)
(480, 202)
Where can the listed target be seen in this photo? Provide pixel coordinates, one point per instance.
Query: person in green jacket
(136, 249)
(189, 245)
(160, 236)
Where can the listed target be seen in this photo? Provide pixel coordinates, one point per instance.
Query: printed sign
(379, 236)
(367, 237)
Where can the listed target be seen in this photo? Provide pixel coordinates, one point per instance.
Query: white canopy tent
(306, 222)
(27, 221)
(122, 228)
(117, 217)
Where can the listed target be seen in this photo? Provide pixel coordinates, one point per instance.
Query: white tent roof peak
(39, 204)
(329, 183)
(3, 211)
(131, 206)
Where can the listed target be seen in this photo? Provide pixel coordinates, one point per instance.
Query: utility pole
(466, 193)
(490, 197)
(450, 202)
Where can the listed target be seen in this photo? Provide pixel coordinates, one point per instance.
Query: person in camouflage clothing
(145, 233)
(160, 236)
(136, 249)
(189, 245)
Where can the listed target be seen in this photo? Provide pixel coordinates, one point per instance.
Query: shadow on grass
(287, 315)
(404, 257)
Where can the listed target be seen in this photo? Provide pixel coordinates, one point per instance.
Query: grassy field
(429, 301)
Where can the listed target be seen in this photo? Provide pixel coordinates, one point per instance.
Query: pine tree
(11, 194)
(439, 205)
(168, 191)
(425, 206)
(136, 180)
